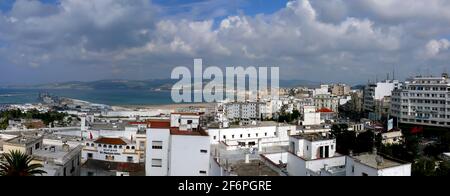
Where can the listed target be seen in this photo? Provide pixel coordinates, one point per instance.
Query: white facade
(189, 156)
(423, 101)
(245, 111)
(362, 166)
(252, 136)
(323, 90)
(111, 152)
(374, 95)
(310, 116)
(176, 148)
(314, 155)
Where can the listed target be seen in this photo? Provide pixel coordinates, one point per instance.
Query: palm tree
(16, 163)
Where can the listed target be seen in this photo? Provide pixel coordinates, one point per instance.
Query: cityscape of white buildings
(234, 138)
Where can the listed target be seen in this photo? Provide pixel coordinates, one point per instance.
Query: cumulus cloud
(434, 47)
(316, 40)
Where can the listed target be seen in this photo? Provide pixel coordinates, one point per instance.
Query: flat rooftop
(56, 153)
(24, 140)
(254, 168)
(371, 161)
(312, 137)
(259, 124)
(135, 169)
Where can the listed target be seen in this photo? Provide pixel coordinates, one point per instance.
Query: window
(90, 156)
(265, 134)
(133, 147)
(110, 146)
(157, 145)
(99, 145)
(202, 172)
(37, 146)
(120, 147)
(215, 137)
(90, 174)
(156, 162)
(232, 136)
(224, 137)
(249, 135)
(203, 151)
(241, 135)
(364, 174)
(128, 147)
(129, 159)
(189, 122)
(115, 146)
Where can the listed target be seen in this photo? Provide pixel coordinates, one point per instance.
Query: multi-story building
(327, 101)
(377, 97)
(111, 149)
(59, 158)
(245, 111)
(423, 101)
(177, 147)
(264, 134)
(340, 89)
(315, 155)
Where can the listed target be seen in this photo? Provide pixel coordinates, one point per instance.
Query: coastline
(165, 106)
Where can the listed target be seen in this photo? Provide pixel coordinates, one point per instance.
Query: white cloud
(434, 47)
(307, 39)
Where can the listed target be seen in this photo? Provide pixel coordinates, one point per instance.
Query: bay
(110, 97)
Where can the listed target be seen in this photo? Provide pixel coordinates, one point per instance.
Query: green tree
(424, 167)
(444, 169)
(365, 142)
(16, 163)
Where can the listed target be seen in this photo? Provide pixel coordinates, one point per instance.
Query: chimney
(66, 147)
(375, 151)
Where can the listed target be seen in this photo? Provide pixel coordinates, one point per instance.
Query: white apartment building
(176, 147)
(372, 164)
(376, 99)
(310, 153)
(315, 155)
(265, 134)
(310, 116)
(423, 101)
(111, 149)
(245, 111)
(59, 158)
(322, 90)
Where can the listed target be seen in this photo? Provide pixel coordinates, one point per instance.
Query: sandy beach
(165, 107)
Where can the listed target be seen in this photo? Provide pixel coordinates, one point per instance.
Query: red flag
(90, 136)
(416, 130)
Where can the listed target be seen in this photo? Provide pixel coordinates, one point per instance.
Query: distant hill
(157, 84)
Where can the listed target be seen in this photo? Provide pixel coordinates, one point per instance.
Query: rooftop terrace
(371, 160)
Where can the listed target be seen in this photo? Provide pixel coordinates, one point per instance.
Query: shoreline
(166, 106)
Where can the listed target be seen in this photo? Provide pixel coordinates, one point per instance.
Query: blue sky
(317, 40)
(250, 7)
